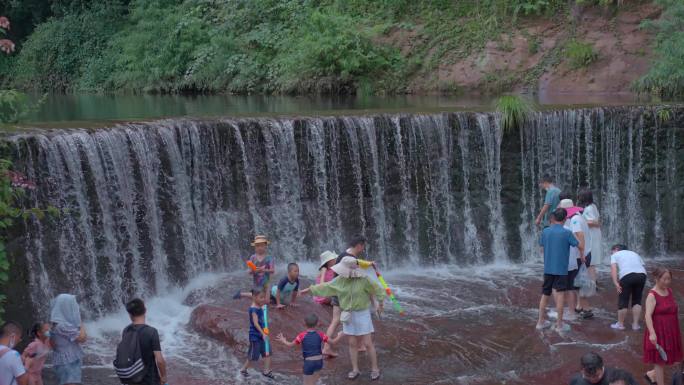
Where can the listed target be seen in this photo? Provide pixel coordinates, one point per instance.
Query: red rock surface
(483, 334)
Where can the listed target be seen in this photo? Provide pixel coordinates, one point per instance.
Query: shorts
(256, 350)
(555, 282)
(572, 274)
(311, 367)
(334, 301)
(68, 373)
(359, 324)
(632, 286)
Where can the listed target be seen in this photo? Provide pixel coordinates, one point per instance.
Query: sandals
(244, 373)
(375, 375)
(268, 374)
(353, 375)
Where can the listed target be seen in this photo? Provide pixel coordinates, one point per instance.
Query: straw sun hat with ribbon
(260, 239)
(326, 257)
(348, 268)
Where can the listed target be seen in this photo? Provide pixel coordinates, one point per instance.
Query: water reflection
(90, 107)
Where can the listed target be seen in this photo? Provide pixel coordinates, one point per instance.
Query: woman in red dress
(662, 327)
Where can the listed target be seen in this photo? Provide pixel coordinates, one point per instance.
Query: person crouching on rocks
(354, 290)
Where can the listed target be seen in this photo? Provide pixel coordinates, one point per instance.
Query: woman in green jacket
(354, 290)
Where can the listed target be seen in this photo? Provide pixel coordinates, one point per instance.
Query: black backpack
(128, 363)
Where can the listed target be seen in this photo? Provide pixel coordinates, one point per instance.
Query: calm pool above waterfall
(58, 109)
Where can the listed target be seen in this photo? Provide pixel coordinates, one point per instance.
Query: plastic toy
(267, 340)
(397, 307)
(252, 266)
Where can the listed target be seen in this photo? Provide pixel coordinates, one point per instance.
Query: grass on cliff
(666, 76)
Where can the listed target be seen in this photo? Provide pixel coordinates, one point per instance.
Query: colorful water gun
(364, 264)
(251, 265)
(267, 340)
(397, 307)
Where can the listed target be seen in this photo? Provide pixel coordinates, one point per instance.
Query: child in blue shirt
(257, 335)
(312, 342)
(285, 292)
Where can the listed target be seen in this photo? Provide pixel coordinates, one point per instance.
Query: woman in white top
(629, 276)
(591, 214)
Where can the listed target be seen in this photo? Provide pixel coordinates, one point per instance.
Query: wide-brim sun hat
(566, 204)
(348, 268)
(260, 239)
(326, 257)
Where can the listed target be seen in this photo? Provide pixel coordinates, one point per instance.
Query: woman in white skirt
(354, 290)
(591, 214)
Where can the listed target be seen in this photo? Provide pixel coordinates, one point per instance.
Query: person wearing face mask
(36, 352)
(12, 371)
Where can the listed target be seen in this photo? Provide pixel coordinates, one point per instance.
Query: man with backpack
(139, 360)
(12, 371)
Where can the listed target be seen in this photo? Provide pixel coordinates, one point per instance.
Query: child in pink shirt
(36, 352)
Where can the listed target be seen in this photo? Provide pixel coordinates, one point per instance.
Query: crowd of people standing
(572, 246)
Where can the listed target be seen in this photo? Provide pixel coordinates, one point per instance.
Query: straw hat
(326, 257)
(259, 239)
(348, 268)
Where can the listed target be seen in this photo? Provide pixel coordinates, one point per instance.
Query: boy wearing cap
(265, 264)
(581, 254)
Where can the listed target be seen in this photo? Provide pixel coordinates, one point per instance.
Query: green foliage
(56, 53)
(666, 76)
(580, 54)
(664, 115)
(16, 106)
(514, 110)
(529, 7)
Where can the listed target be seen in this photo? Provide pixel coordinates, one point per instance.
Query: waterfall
(148, 206)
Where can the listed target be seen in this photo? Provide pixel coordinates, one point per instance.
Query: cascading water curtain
(149, 206)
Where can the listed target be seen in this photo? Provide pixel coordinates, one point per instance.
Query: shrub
(666, 75)
(55, 55)
(514, 110)
(580, 54)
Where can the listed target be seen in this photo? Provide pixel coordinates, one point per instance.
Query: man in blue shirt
(551, 200)
(556, 241)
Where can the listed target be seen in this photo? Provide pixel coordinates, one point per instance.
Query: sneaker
(617, 326)
(544, 325)
(586, 314)
(636, 327)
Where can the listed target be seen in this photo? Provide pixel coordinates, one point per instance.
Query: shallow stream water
(463, 326)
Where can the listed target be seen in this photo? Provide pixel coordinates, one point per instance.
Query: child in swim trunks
(312, 342)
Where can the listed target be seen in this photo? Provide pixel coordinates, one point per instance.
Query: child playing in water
(285, 292)
(312, 342)
(257, 335)
(326, 274)
(265, 264)
(36, 352)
